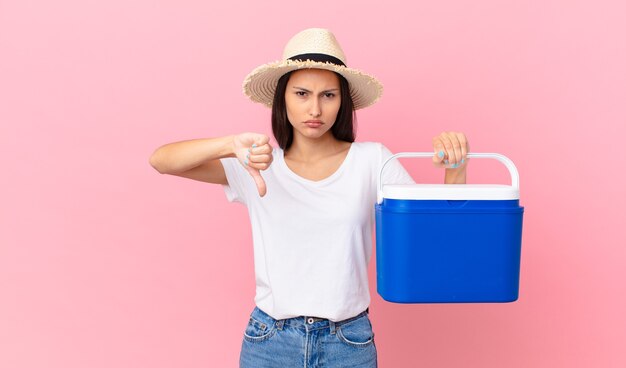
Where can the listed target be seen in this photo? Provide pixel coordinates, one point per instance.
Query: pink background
(106, 263)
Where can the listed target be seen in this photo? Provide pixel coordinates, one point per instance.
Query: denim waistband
(308, 321)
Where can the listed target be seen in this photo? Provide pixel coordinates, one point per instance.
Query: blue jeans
(307, 342)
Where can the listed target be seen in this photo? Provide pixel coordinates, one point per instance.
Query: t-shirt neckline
(327, 179)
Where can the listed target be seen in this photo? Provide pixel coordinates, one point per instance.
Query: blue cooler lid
(451, 191)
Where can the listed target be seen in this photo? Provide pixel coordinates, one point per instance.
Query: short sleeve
(236, 175)
(394, 172)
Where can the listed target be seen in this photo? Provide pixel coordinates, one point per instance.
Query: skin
(315, 154)
(313, 94)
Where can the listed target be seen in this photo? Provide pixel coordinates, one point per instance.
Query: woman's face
(313, 99)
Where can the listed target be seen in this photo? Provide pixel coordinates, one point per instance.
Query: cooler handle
(505, 160)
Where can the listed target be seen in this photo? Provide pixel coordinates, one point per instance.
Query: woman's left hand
(451, 150)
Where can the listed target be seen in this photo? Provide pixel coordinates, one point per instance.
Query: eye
(300, 93)
(330, 95)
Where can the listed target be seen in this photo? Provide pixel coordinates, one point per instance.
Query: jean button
(310, 321)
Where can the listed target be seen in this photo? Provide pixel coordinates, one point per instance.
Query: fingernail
(445, 161)
(248, 155)
(462, 160)
(253, 145)
(440, 154)
(246, 162)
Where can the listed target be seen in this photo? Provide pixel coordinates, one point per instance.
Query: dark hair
(342, 129)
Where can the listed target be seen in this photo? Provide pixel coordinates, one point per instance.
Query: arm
(196, 159)
(456, 176)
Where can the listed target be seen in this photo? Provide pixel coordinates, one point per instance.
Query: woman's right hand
(255, 153)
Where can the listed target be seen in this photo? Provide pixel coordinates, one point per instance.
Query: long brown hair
(343, 129)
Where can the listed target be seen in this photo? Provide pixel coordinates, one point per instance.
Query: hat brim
(260, 84)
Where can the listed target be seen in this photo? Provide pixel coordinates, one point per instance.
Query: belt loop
(280, 323)
(333, 327)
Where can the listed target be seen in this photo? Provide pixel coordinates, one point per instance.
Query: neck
(312, 149)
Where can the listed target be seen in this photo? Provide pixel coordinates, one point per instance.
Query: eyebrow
(306, 90)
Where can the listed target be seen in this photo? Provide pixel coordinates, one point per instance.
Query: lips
(313, 123)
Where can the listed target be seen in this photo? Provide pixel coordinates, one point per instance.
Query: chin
(310, 131)
(316, 134)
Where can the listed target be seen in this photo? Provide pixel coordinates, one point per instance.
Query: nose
(316, 109)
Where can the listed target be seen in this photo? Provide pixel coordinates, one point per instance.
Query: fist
(451, 150)
(255, 153)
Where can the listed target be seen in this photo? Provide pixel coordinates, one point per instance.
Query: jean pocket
(257, 331)
(357, 333)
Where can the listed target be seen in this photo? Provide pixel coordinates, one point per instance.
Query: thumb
(258, 180)
(261, 139)
(440, 154)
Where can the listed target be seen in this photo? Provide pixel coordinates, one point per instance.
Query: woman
(312, 208)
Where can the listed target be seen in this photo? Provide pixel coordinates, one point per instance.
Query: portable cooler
(448, 243)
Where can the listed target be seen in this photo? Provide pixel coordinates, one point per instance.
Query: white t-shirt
(313, 239)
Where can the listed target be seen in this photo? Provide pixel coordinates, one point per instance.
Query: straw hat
(311, 48)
